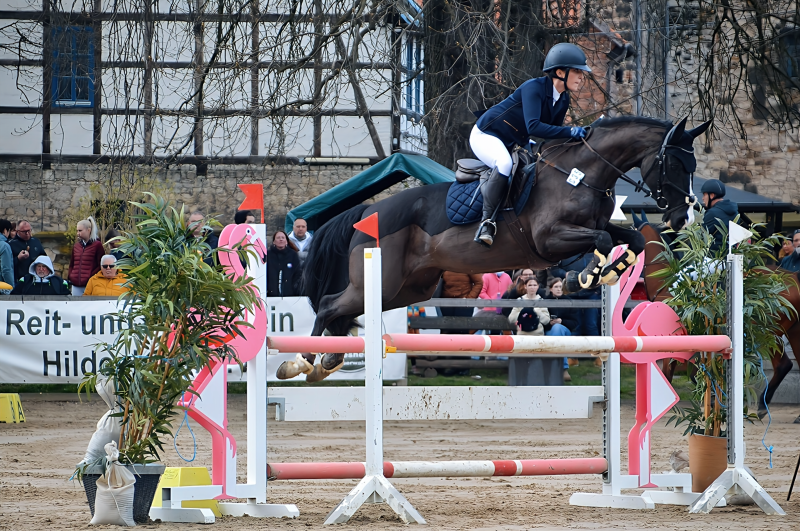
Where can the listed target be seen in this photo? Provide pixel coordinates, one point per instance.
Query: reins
(639, 186)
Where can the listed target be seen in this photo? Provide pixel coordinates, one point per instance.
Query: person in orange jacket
(108, 282)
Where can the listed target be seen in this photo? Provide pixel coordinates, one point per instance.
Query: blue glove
(577, 132)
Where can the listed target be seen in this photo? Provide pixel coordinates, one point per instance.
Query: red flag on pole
(369, 226)
(253, 198)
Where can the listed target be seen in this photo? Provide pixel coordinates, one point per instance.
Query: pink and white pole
(522, 346)
(440, 469)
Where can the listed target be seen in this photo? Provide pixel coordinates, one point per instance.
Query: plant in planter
(172, 323)
(697, 278)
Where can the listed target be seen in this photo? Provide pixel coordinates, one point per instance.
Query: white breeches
(491, 151)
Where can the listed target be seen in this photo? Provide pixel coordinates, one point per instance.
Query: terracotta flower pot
(708, 458)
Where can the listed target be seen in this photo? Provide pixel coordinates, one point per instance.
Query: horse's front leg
(635, 240)
(567, 238)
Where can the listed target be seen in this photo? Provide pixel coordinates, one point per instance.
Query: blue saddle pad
(464, 203)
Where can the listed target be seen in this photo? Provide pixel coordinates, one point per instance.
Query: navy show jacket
(529, 111)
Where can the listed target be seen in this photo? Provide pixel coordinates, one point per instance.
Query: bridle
(640, 186)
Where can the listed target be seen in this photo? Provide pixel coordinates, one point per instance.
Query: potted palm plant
(696, 276)
(171, 320)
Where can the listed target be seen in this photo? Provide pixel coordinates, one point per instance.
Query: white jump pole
(737, 474)
(374, 487)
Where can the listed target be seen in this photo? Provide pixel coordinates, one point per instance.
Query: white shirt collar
(556, 96)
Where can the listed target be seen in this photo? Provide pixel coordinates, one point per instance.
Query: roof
(366, 184)
(746, 201)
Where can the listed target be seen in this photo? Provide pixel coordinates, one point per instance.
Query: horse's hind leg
(337, 314)
(781, 365)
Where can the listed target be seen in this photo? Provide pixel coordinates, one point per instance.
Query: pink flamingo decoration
(654, 394)
(211, 383)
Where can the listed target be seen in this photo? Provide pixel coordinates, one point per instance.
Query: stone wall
(49, 198)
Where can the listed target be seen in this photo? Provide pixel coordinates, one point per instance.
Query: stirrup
(488, 238)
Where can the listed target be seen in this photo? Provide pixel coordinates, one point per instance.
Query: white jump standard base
(374, 488)
(736, 474)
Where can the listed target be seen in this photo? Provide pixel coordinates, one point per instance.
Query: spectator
(108, 282)
(283, 267)
(112, 245)
(244, 216)
(41, 280)
(301, 238)
(459, 286)
(13, 231)
(25, 248)
(787, 248)
(530, 321)
(792, 262)
(86, 254)
(202, 231)
(564, 316)
(719, 211)
(494, 285)
(6, 255)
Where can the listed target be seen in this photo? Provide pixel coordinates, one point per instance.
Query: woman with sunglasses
(108, 282)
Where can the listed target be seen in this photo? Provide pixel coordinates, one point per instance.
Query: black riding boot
(493, 190)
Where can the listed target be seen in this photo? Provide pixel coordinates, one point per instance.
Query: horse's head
(669, 174)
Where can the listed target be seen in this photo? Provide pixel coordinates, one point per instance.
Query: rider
(537, 108)
(719, 211)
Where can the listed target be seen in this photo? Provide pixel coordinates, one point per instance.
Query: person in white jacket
(531, 320)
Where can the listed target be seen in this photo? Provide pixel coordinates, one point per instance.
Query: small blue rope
(769, 415)
(194, 439)
(714, 387)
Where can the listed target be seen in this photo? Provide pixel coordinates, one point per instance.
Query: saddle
(464, 199)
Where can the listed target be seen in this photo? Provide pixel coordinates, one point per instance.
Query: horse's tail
(326, 269)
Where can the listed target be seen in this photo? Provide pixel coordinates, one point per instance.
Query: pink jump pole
(441, 469)
(503, 345)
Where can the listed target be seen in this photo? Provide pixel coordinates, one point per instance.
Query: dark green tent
(366, 184)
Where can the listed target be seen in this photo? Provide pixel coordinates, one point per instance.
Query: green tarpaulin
(366, 184)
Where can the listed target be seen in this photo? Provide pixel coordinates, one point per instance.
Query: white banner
(54, 341)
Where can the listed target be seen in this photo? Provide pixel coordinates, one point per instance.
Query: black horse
(558, 221)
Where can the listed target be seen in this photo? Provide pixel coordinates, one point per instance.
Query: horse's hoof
(290, 369)
(796, 421)
(763, 413)
(571, 283)
(320, 373)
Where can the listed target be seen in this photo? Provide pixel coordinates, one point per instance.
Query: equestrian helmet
(713, 186)
(565, 55)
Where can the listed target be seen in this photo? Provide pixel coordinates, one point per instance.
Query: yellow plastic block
(11, 408)
(186, 477)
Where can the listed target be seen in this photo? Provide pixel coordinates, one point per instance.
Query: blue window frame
(73, 66)
(414, 85)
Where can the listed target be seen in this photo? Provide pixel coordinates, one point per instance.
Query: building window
(73, 66)
(562, 13)
(413, 65)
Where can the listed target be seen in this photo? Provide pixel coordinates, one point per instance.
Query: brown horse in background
(656, 291)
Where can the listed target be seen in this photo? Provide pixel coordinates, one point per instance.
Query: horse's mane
(625, 120)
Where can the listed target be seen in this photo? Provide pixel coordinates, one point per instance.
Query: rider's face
(575, 80)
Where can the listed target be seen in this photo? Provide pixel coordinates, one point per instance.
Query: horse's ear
(676, 132)
(699, 130)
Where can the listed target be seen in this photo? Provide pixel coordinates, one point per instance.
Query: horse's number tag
(575, 177)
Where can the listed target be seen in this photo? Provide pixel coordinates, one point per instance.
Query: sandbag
(113, 503)
(107, 431)
(108, 427)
